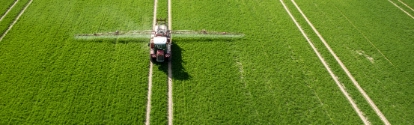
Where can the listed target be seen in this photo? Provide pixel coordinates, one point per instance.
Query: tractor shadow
(178, 70)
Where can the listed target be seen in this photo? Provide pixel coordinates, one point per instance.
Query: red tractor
(160, 43)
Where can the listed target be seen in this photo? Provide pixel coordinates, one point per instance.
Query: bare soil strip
(406, 5)
(15, 20)
(148, 118)
(154, 21)
(11, 7)
(401, 9)
(170, 83)
(334, 77)
(170, 95)
(367, 98)
(372, 44)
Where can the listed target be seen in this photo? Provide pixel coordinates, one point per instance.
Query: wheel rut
(150, 72)
(170, 83)
(169, 73)
(15, 20)
(8, 10)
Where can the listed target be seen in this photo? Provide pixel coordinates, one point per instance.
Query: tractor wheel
(152, 59)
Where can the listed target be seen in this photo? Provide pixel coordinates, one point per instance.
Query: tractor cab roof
(160, 40)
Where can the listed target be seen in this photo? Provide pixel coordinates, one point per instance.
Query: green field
(379, 31)
(270, 76)
(10, 17)
(4, 5)
(47, 77)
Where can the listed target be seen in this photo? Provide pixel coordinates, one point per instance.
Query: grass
(5, 5)
(348, 28)
(159, 96)
(59, 80)
(337, 70)
(409, 3)
(10, 17)
(162, 9)
(270, 76)
(208, 91)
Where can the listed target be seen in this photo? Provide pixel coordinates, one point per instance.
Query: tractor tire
(152, 59)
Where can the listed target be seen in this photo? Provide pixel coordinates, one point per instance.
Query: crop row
(162, 9)
(48, 77)
(332, 62)
(409, 3)
(11, 16)
(407, 6)
(269, 76)
(5, 5)
(373, 41)
(159, 94)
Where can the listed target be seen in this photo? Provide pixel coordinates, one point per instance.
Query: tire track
(11, 7)
(15, 20)
(401, 9)
(334, 77)
(406, 5)
(148, 118)
(372, 44)
(356, 84)
(170, 83)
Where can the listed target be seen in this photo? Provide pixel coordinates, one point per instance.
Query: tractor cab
(160, 42)
(160, 45)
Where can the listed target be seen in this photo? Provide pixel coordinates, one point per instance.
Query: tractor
(160, 38)
(160, 42)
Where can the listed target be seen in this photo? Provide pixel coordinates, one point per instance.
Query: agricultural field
(271, 75)
(375, 47)
(48, 77)
(10, 12)
(5, 5)
(259, 79)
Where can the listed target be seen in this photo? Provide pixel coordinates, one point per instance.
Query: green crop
(5, 5)
(10, 17)
(48, 77)
(265, 74)
(373, 41)
(269, 76)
